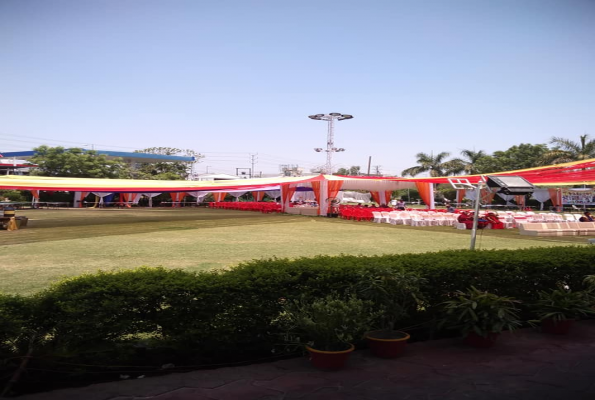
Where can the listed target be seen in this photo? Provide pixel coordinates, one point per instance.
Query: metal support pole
(475, 216)
(329, 146)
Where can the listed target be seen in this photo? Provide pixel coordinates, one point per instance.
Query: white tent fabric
(303, 196)
(101, 195)
(273, 194)
(507, 198)
(199, 195)
(237, 194)
(354, 197)
(541, 195)
(471, 194)
(150, 196)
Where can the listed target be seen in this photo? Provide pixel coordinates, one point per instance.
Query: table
(310, 211)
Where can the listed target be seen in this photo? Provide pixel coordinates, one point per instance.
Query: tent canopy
(579, 172)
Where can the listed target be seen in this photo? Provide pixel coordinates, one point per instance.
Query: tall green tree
(165, 170)
(520, 156)
(76, 163)
(566, 150)
(437, 165)
(470, 159)
(353, 171)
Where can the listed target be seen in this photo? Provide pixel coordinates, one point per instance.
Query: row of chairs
(259, 206)
(415, 218)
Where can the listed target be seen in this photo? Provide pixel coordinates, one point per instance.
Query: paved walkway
(526, 365)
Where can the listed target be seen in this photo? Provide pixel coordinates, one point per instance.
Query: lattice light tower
(330, 139)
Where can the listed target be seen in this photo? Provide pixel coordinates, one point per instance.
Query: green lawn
(70, 242)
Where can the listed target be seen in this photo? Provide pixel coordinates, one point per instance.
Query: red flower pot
(329, 360)
(475, 340)
(383, 345)
(556, 327)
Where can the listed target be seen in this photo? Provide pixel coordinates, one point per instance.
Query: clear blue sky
(233, 78)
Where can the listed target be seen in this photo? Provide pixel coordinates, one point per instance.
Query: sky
(235, 80)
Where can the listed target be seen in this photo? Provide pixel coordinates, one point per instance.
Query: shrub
(157, 315)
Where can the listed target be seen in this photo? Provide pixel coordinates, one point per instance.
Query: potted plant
(480, 316)
(395, 294)
(326, 326)
(557, 309)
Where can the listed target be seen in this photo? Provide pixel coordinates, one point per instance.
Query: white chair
(393, 218)
(569, 217)
(385, 216)
(431, 219)
(377, 217)
(417, 220)
(405, 216)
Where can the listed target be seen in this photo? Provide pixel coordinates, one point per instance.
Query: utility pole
(253, 157)
(369, 163)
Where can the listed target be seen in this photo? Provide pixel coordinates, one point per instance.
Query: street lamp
(330, 145)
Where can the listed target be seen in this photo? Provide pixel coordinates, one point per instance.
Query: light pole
(330, 144)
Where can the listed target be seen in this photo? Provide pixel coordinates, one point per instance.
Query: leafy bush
(480, 312)
(163, 316)
(328, 324)
(561, 303)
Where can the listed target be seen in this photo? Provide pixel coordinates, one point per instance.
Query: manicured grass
(70, 242)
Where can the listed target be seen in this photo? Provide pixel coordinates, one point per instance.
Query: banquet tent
(325, 187)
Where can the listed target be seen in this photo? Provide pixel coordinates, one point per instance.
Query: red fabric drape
(387, 195)
(219, 196)
(176, 198)
(334, 187)
(287, 192)
(35, 194)
(376, 197)
(520, 200)
(556, 198)
(460, 195)
(424, 192)
(258, 196)
(83, 195)
(316, 189)
(486, 196)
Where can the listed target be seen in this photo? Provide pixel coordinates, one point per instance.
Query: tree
(76, 163)
(165, 170)
(517, 157)
(566, 150)
(353, 171)
(470, 160)
(436, 165)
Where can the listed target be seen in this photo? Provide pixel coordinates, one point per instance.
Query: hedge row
(211, 317)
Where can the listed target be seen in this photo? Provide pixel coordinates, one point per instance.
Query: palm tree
(566, 150)
(470, 160)
(437, 165)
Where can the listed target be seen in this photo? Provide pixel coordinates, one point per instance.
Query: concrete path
(525, 365)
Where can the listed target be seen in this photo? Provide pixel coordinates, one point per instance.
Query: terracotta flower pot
(556, 327)
(475, 340)
(387, 344)
(329, 360)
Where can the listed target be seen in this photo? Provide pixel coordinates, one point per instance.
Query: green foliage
(355, 170)
(12, 195)
(165, 170)
(437, 165)
(516, 157)
(328, 324)
(566, 150)
(395, 293)
(214, 317)
(480, 312)
(76, 163)
(562, 303)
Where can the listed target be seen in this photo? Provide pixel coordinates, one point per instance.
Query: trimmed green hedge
(218, 317)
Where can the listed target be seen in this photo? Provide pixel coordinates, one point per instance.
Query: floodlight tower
(330, 140)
